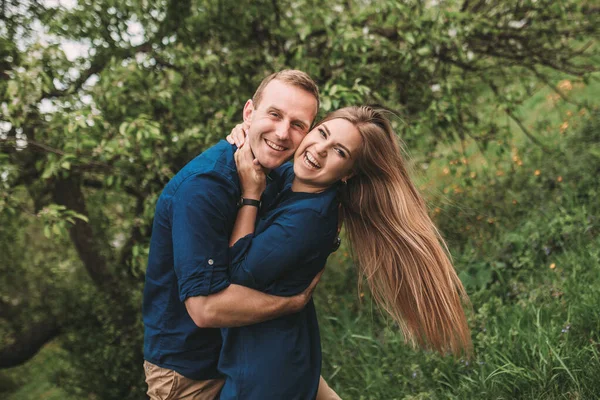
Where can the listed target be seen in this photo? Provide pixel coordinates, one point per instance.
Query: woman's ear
(350, 175)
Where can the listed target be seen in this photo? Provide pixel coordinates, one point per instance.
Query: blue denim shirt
(280, 358)
(189, 257)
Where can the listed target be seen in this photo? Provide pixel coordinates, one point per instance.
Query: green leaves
(57, 219)
(337, 95)
(120, 112)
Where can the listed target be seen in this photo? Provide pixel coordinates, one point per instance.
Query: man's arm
(201, 246)
(239, 306)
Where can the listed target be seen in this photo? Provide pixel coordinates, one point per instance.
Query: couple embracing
(241, 236)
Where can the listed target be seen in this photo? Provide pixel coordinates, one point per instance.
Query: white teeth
(311, 161)
(274, 146)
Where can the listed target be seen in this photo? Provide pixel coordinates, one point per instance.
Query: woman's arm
(295, 237)
(244, 223)
(253, 182)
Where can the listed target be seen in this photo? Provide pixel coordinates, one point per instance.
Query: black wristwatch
(336, 243)
(249, 202)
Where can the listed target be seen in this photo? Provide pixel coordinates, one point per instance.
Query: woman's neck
(299, 186)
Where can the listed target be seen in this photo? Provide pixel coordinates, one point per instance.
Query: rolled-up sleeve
(200, 214)
(259, 260)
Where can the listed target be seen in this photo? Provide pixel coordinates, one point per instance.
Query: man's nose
(283, 131)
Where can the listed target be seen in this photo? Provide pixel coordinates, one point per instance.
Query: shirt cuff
(203, 284)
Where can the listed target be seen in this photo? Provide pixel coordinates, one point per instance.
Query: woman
(351, 157)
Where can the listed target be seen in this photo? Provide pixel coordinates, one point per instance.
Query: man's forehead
(278, 89)
(283, 97)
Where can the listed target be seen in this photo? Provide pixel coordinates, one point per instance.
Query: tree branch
(516, 119)
(28, 342)
(99, 62)
(92, 165)
(67, 192)
(544, 79)
(96, 184)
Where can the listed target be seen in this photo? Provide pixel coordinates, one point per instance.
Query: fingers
(246, 153)
(244, 158)
(315, 281)
(237, 136)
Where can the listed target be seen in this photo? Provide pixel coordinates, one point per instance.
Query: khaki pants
(166, 384)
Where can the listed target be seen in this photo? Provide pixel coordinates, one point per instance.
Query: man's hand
(237, 136)
(300, 300)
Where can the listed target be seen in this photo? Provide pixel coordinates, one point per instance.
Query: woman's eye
(323, 133)
(341, 153)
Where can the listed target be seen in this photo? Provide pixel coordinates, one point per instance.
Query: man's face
(279, 122)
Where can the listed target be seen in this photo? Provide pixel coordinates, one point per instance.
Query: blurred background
(102, 102)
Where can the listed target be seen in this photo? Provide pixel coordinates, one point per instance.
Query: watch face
(336, 243)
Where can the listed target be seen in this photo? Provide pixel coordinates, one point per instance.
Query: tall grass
(523, 227)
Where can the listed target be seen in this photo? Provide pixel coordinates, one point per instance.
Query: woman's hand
(252, 176)
(237, 136)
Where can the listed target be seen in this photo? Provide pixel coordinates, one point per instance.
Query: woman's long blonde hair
(398, 249)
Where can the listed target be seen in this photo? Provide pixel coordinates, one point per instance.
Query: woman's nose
(321, 149)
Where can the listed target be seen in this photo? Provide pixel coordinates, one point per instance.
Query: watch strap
(249, 202)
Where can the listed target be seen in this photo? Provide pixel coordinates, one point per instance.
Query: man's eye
(274, 114)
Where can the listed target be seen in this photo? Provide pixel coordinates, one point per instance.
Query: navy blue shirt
(280, 358)
(189, 256)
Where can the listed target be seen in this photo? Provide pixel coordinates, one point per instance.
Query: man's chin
(271, 165)
(272, 162)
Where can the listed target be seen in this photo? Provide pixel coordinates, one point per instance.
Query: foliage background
(497, 105)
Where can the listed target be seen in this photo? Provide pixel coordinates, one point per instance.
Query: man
(187, 293)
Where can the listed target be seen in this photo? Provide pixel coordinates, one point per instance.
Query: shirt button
(210, 261)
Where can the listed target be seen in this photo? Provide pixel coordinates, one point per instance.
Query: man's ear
(247, 114)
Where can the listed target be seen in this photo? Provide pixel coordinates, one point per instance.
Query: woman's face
(326, 155)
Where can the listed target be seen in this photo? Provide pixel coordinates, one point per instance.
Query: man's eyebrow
(273, 108)
(302, 124)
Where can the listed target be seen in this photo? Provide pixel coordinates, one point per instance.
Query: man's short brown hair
(292, 77)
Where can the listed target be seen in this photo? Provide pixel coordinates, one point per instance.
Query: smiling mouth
(274, 146)
(310, 161)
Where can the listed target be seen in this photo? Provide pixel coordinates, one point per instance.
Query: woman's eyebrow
(345, 148)
(338, 143)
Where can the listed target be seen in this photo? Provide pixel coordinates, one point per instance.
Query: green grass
(525, 240)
